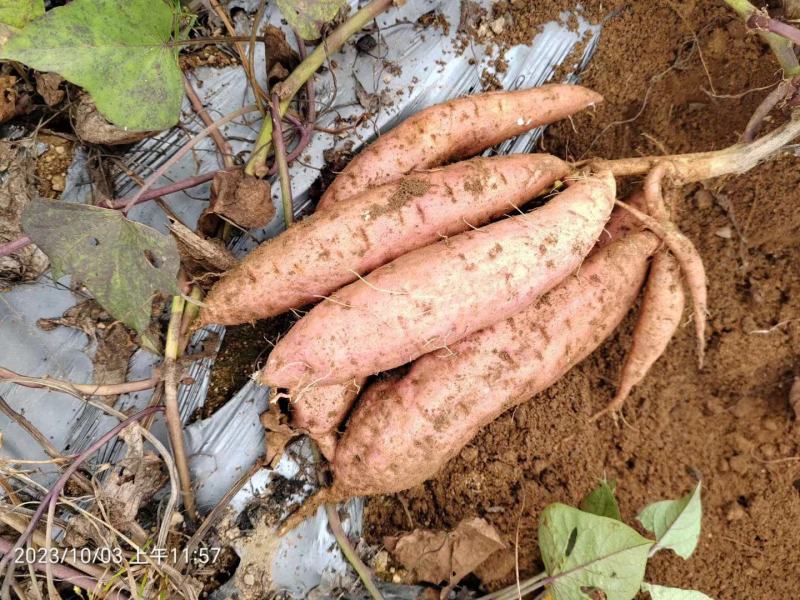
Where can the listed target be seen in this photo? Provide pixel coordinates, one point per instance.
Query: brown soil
(677, 77)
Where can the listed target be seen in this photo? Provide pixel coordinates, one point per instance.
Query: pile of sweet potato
(415, 259)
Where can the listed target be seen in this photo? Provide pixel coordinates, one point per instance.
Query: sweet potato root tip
(452, 131)
(659, 317)
(693, 271)
(653, 191)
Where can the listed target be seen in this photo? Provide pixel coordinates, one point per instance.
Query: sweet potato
(430, 298)
(402, 434)
(332, 248)
(658, 319)
(453, 130)
(319, 410)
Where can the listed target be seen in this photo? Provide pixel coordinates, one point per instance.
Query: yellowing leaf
(18, 13)
(675, 523)
(119, 50)
(307, 16)
(582, 551)
(122, 263)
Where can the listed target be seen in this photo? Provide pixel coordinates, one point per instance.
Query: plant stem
(698, 166)
(764, 23)
(86, 389)
(516, 590)
(781, 47)
(287, 89)
(349, 552)
(197, 104)
(282, 164)
(172, 413)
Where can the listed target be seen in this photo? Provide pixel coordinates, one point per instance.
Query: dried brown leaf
(240, 199)
(8, 97)
(200, 256)
(438, 556)
(281, 58)
(279, 433)
(48, 86)
(93, 128)
(16, 190)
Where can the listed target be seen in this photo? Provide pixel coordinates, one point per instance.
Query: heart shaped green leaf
(602, 501)
(18, 13)
(582, 551)
(118, 50)
(122, 263)
(675, 523)
(659, 592)
(307, 16)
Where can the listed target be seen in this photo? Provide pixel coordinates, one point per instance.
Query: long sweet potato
(332, 248)
(454, 130)
(430, 298)
(402, 436)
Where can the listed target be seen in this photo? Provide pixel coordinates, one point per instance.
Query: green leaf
(17, 13)
(583, 551)
(307, 16)
(119, 50)
(602, 502)
(122, 263)
(659, 592)
(675, 523)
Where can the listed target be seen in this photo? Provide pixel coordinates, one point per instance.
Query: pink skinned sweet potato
(319, 410)
(455, 130)
(430, 298)
(332, 248)
(401, 436)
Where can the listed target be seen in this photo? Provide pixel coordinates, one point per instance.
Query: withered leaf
(48, 86)
(123, 264)
(437, 556)
(201, 256)
(94, 128)
(241, 199)
(279, 433)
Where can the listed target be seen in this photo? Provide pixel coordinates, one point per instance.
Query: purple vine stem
(765, 23)
(50, 500)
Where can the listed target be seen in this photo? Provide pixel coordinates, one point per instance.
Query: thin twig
(282, 164)
(219, 140)
(87, 389)
(291, 85)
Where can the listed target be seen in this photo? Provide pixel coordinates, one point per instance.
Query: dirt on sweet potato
(677, 76)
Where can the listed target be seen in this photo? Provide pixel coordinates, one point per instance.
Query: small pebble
(498, 25)
(724, 232)
(735, 512)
